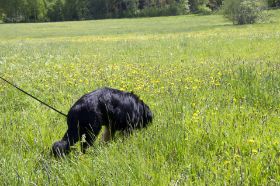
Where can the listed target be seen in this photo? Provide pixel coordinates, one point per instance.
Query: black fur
(115, 109)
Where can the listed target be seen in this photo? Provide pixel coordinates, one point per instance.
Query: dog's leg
(87, 142)
(108, 134)
(90, 135)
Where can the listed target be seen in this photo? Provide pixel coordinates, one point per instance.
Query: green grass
(213, 87)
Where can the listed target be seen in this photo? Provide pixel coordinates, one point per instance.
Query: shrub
(243, 11)
(203, 9)
(247, 12)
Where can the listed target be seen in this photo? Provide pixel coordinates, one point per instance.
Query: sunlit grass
(213, 88)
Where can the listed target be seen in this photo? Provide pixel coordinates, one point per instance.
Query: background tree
(70, 10)
(215, 4)
(76, 9)
(23, 10)
(55, 11)
(128, 8)
(195, 4)
(98, 8)
(35, 10)
(14, 10)
(83, 9)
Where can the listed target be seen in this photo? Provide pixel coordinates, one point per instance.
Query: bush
(247, 13)
(243, 11)
(15, 19)
(203, 9)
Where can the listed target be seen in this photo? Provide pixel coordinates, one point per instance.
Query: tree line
(64, 10)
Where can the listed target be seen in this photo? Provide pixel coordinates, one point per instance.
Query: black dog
(114, 109)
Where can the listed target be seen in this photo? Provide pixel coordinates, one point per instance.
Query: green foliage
(195, 4)
(213, 87)
(161, 9)
(273, 3)
(203, 9)
(215, 4)
(76, 9)
(248, 12)
(59, 10)
(183, 6)
(82, 10)
(24, 10)
(71, 10)
(55, 11)
(243, 11)
(37, 10)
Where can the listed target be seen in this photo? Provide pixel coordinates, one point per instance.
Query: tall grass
(213, 88)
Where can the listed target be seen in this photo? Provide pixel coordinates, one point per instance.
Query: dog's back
(114, 107)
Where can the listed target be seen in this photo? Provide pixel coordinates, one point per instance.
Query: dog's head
(60, 148)
(147, 115)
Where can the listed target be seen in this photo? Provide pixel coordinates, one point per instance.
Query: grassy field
(213, 87)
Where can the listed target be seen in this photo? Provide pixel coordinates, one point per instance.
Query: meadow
(213, 88)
